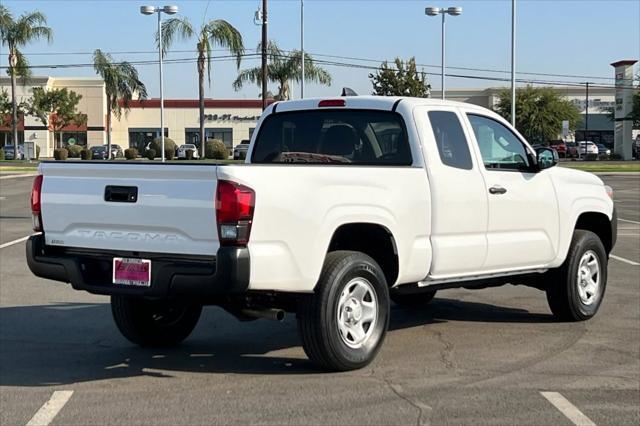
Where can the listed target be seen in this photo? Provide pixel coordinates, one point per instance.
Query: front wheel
(343, 324)
(576, 288)
(154, 323)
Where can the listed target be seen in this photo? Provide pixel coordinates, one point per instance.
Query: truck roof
(367, 102)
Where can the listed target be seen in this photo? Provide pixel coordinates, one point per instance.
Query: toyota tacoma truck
(342, 206)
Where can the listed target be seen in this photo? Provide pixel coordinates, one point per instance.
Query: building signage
(230, 117)
(624, 105)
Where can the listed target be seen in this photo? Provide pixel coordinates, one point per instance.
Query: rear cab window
(341, 137)
(450, 139)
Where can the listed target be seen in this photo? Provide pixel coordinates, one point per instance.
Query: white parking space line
(622, 259)
(568, 409)
(18, 176)
(629, 221)
(50, 409)
(10, 243)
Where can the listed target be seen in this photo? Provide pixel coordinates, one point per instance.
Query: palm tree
(215, 32)
(17, 33)
(121, 83)
(282, 69)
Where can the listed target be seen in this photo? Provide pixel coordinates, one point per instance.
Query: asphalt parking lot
(472, 357)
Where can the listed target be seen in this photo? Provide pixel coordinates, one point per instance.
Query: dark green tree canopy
(401, 80)
(539, 112)
(56, 108)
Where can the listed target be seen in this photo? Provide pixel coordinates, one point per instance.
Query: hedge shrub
(169, 144)
(150, 154)
(130, 153)
(37, 152)
(169, 153)
(188, 154)
(74, 151)
(60, 154)
(86, 154)
(1, 154)
(216, 149)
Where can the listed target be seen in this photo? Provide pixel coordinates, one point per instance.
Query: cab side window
(500, 147)
(450, 139)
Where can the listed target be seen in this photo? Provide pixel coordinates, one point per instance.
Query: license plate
(133, 272)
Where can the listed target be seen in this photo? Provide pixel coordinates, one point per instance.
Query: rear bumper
(171, 275)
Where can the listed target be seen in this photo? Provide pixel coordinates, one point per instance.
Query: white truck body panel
(443, 221)
(174, 212)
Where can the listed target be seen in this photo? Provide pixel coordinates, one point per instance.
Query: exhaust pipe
(270, 314)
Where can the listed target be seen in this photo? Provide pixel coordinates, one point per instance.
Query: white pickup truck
(343, 205)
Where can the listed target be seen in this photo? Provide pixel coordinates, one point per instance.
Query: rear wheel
(154, 323)
(576, 288)
(413, 300)
(343, 324)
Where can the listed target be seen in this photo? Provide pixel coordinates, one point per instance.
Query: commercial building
(228, 120)
(601, 99)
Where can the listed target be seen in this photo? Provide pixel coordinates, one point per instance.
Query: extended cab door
(459, 210)
(523, 224)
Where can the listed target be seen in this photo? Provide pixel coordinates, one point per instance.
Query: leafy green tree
(56, 108)
(215, 32)
(6, 108)
(403, 80)
(15, 34)
(539, 112)
(282, 69)
(121, 84)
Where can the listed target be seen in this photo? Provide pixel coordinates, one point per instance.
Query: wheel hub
(589, 278)
(357, 312)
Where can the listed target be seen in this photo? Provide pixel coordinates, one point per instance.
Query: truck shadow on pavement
(78, 342)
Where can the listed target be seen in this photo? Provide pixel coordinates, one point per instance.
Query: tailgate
(161, 208)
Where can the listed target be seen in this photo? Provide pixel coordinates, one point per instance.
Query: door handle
(497, 189)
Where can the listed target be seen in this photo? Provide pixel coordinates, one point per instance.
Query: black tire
(413, 300)
(563, 293)
(154, 323)
(318, 321)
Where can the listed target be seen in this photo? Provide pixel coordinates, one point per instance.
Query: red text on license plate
(134, 272)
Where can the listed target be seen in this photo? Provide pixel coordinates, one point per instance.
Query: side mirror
(547, 157)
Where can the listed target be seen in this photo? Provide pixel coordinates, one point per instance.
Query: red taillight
(36, 210)
(234, 212)
(332, 103)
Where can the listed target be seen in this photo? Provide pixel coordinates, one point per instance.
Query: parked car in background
(572, 150)
(240, 151)
(636, 148)
(182, 150)
(560, 147)
(331, 224)
(603, 151)
(98, 152)
(116, 151)
(9, 152)
(588, 150)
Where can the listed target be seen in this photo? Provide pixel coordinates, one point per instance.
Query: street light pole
(513, 63)
(443, 66)
(161, 86)
(434, 11)
(302, 47)
(169, 10)
(264, 54)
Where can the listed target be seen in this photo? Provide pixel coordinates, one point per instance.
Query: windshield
(347, 137)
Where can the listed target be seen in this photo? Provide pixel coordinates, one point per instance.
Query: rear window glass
(348, 137)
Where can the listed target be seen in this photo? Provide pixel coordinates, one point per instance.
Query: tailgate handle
(121, 194)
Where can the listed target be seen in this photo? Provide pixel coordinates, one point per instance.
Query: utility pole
(513, 63)
(264, 54)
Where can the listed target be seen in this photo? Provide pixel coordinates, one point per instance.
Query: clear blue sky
(554, 36)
